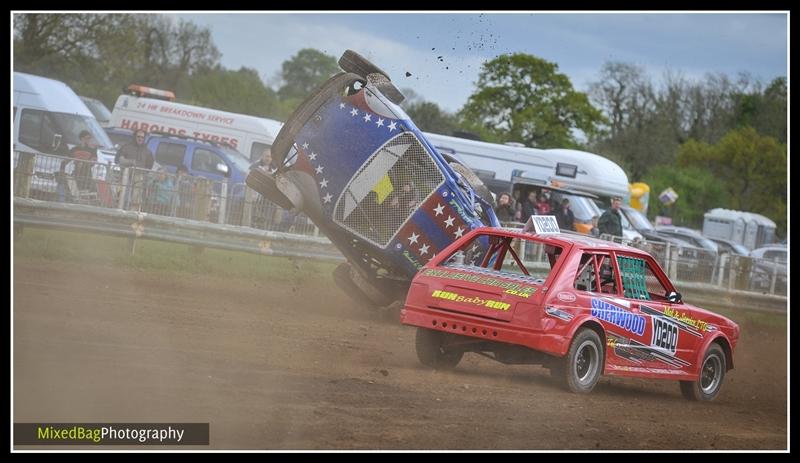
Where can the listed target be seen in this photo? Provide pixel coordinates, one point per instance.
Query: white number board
(542, 225)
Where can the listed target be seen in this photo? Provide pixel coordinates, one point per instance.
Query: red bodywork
(544, 316)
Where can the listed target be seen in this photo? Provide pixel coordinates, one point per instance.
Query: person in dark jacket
(611, 221)
(136, 153)
(529, 207)
(505, 209)
(564, 216)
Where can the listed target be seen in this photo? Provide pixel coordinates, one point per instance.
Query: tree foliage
(698, 191)
(304, 72)
(754, 169)
(524, 98)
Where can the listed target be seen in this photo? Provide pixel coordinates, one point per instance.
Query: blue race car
(352, 160)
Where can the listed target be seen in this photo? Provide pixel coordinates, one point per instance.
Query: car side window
(596, 274)
(170, 154)
(256, 150)
(206, 161)
(639, 280)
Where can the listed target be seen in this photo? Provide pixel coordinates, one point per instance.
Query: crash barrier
(142, 225)
(40, 176)
(701, 269)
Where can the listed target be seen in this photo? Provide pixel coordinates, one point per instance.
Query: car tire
(352, 62)
(432, 353)
(712, 373)
(285, 138)
(582, 366)
(344, 280)
(475, 182)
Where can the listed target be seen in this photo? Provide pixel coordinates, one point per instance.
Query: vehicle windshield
(583, 208)
(238, 159)
(101, 113)
(637, 219)
(740, 249)
(706, 243)
(71, 125)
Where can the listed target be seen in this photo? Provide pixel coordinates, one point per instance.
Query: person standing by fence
(611, 222)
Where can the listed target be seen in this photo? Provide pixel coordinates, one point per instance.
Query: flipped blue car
(352, 160)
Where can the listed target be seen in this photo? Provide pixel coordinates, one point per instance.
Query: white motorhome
(49, 116)
(586, 179)
(155, 111)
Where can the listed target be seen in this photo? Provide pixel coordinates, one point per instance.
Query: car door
(672, 332)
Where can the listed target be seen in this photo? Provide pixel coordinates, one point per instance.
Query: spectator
(595, 231)
(86, 153)
(528, 207)
(162, 190)
(183, 186)
(265, 161)
(135, 153)
(564, 216)
(542, 205)
(611, 222)
(505, 209)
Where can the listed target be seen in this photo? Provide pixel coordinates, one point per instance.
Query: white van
(154, 110)
(49, 116)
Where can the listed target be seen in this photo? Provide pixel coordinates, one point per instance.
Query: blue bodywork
(367, 177)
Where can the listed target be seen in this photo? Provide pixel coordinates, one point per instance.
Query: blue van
(352, 160)
(202, 158)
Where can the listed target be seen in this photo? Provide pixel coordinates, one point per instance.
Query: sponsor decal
(460, 210)
(688, 328)
(558, 313)
(510, 287)
(686, 319)
(566, 297)
(637, 352)
(488, 303)
(665, 335)
(618, 316)
(412, 259)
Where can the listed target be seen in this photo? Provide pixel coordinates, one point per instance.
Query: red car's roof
(558, 239)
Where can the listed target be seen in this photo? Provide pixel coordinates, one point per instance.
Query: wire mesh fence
(55, 178)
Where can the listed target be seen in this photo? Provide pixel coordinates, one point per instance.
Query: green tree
(523, 98)
(753, 167)
(239, 91)
(698, 191)
(304, 72)
(430, 118)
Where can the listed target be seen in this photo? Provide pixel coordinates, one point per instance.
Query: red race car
(577, 305)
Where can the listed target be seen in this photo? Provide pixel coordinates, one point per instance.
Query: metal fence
(190, 200)
(55, 178)
(688, 264)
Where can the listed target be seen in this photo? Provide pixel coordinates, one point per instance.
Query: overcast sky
(443, 52)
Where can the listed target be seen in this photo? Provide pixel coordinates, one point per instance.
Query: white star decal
(327, 198)
(413, 238)
(305, 146)
(354, 112)
(449, 221)
(323, 183)
(312, 156)
(392, 126)
(439, 209)
(319, 169)
(341, 105)
(367, 117)
(459, 232)
(423, 249)
(379, 123)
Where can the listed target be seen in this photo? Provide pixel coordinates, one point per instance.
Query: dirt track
(296, 367)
